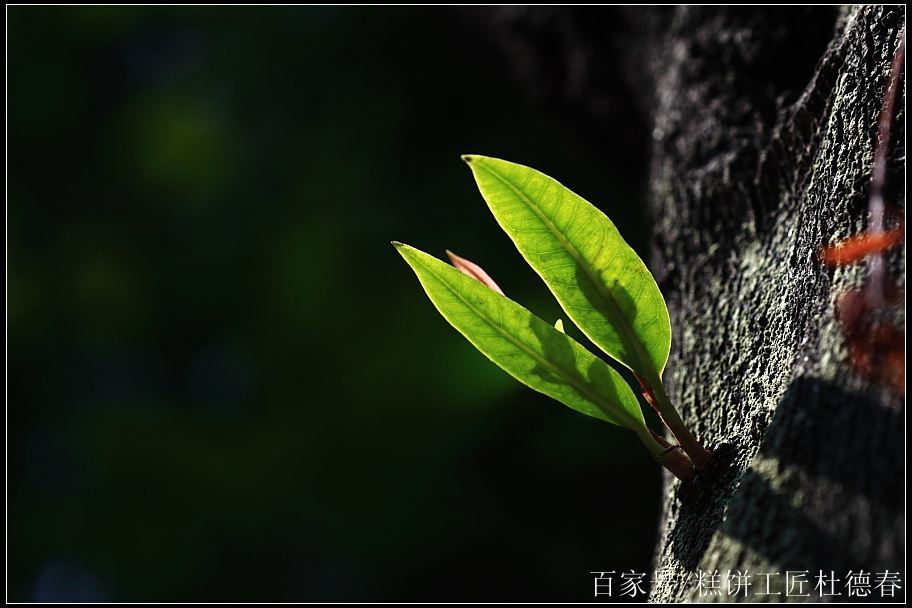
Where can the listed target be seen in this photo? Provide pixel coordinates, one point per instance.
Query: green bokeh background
(223, 382)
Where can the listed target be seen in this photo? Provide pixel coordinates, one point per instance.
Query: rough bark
(743, 199)
(747, 183)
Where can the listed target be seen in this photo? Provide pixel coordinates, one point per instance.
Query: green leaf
(525, 346)
(598, 279)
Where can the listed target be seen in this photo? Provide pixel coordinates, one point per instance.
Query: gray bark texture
(746, 191)
(764, 128)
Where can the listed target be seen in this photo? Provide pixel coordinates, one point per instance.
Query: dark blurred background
(223, 382)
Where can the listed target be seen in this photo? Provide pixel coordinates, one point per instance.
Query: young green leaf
(598, 279)
(526, 347)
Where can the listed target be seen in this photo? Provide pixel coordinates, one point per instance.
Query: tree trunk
(745, 194)
(747, 184)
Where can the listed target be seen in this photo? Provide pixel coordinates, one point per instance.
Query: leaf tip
(468, 158)
(402, 249)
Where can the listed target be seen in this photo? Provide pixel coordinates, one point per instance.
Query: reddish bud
(473, 270)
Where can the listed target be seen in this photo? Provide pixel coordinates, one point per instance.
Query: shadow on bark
(854, 474)
(837, 455)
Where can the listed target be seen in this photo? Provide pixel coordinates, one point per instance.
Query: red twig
(874, 341)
